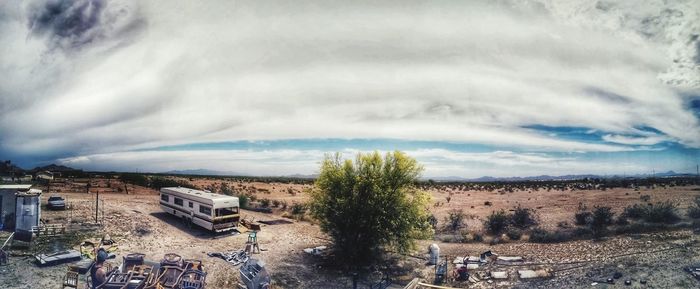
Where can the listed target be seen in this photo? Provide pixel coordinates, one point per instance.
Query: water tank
(434, 251)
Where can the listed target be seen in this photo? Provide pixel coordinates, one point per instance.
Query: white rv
(214, 212)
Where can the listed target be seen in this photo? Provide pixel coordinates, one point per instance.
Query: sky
(468, 88)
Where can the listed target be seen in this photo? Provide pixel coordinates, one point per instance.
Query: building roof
(31, 192)
(217, 200)
(15, 187)
(193, 192)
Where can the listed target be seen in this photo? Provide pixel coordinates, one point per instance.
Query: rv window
(178, 201)
(205, 210)
(226, 211)
(164, 198)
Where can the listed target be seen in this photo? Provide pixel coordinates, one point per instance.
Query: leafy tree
(370, 205)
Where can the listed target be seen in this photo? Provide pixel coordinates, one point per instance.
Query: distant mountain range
(558, 178)
(203, 172)
(54, 168)
(206, 172)
(7, 167)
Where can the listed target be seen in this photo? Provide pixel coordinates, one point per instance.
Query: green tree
(370, 205)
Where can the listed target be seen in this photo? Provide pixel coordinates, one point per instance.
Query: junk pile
(171, 272)
(238, 257)
(89, 247)
(254, 275)
(489, 267)
(694, 271)
(235, 258)
(316, 251)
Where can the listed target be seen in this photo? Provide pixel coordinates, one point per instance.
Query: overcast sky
(469, 88)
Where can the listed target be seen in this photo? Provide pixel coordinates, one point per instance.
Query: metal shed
(20, 207)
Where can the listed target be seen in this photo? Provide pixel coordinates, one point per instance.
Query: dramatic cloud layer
(104, 84)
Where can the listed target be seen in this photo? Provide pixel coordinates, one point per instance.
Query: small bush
(496, 222)
(563, 225)
(477, 237)
(298, 209)
(514, 234)
(276, 203)
(634, 212)
(523, 218)
(694, 210)
(454, 220)
(488, 203)
(645, 198)
(602, 217)
(621, 220)
(433, 221)
(662, 212)
(243, 201)
(539, 235)
(582, 233)
(637, 228)
(265, 203)
(583, 218)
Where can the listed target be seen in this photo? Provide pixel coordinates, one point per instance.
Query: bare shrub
(454, 220)
(496, 222)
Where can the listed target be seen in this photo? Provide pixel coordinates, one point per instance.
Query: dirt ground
(137, 223)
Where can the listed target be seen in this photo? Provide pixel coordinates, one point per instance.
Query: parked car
(56, 203)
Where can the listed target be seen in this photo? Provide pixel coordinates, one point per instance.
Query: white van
(211, 211)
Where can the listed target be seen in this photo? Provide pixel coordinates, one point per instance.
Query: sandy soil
(137, 223)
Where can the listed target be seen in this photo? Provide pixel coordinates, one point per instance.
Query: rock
(499, 275)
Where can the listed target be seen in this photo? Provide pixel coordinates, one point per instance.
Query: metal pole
(354, 280)
(97, 205)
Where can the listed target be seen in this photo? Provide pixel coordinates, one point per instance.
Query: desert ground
(137, 223)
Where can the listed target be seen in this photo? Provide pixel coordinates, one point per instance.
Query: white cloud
(462, 72)
(437, 162)
(628, 140)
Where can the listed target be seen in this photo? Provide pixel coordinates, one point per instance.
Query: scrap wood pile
(491, 266)
(171, 272)
(235, 258)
